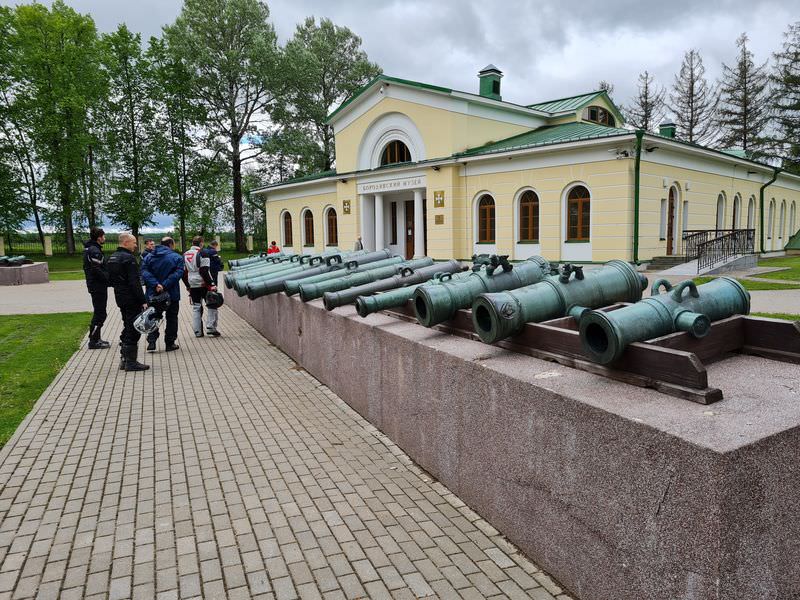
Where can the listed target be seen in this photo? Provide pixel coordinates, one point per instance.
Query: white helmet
(147, 321)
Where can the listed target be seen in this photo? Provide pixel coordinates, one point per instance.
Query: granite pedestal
(620, 492)
(35, 273)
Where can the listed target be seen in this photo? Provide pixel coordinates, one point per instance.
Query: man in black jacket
(94, 267)
(124, 277)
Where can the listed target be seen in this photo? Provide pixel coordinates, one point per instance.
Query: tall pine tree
(786, 99)
(648, 107)
(744, 102)
(694, 102)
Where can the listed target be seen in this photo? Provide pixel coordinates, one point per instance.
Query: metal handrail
(734, 242)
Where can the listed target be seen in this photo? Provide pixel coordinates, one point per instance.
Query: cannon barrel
(258, 262)
(272, 284)
(239, 281)
(259, 270)
(439, 303)
(604, 335)
(311, 291)
(366, 305)
(304, 267)
(499, 315)
(335, 299)
(236, 263)
(292, 286)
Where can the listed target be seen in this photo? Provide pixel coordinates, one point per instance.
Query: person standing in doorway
(198, 281)
(94, 267)
(162, 271)
(125, 278)
(359, 245)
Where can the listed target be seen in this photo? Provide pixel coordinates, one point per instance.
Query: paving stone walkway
(246, 478)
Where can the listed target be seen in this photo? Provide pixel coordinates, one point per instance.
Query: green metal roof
(542, 136)
(565, 104)
(303, 179)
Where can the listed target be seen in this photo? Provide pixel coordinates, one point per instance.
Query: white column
(366, 211)
(419, 225)
(379, 224)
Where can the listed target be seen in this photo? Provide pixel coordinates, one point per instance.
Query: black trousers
(99, 303)
(171, 329)
(129, 335)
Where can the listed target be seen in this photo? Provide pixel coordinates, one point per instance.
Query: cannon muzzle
(500, 315)
(605, 335)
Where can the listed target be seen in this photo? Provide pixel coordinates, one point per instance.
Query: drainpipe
(636, 166)
(761, 204)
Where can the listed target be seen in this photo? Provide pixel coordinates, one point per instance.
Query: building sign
(438, 199)
(439, 219)
(346, 207)
(393, 185)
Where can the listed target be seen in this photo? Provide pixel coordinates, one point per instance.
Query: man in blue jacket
(162, 270)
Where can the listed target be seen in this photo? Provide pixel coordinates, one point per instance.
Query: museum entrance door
(409, 229)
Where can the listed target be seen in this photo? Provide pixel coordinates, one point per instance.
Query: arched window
(782, 220)
(771, 219)
(737, 204)
(331, 227)
(529, 217)
(486, 229)
(308, 228)
(720, 211)
(792, 219)
(287, 229)
(751, 213)
(395, 152)
(578, 211)
(598, 114)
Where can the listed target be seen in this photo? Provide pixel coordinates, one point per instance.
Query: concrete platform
(620, 492)
(35, 273)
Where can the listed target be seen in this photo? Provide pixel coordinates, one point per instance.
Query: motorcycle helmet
(160, 301)
(147, 321)
(214, 299)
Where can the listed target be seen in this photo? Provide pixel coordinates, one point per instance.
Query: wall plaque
(438, 199)
(439, 219)
(346, 207)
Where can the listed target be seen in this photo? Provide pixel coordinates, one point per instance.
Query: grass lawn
(777, 316)
(751, 285)
(793, 272)
(33, 349)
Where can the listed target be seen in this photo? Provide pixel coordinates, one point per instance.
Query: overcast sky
(546, 48)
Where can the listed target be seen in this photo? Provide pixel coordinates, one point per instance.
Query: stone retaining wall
(621, 493)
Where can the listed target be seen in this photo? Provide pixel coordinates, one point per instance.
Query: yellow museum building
(424, 169)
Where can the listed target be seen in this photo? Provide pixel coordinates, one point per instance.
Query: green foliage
(324, 64)
(693, 101)
(786, 99)
(648, 107)
(133, 139)
(33, 349)
(57, 69)
(231, 51)
(743, 110)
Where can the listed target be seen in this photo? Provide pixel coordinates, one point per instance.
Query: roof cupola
(490, 77)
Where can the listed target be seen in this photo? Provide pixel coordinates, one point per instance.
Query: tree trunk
(66, 205)
(92, 210)
(238, 216)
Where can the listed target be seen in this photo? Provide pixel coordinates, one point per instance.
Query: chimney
(667, 129)
(489, 78)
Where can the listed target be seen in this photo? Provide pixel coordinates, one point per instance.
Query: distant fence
(30, 244)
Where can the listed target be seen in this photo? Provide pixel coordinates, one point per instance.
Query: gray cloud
(547, 48)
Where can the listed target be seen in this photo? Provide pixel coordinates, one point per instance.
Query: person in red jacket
(273, 248)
